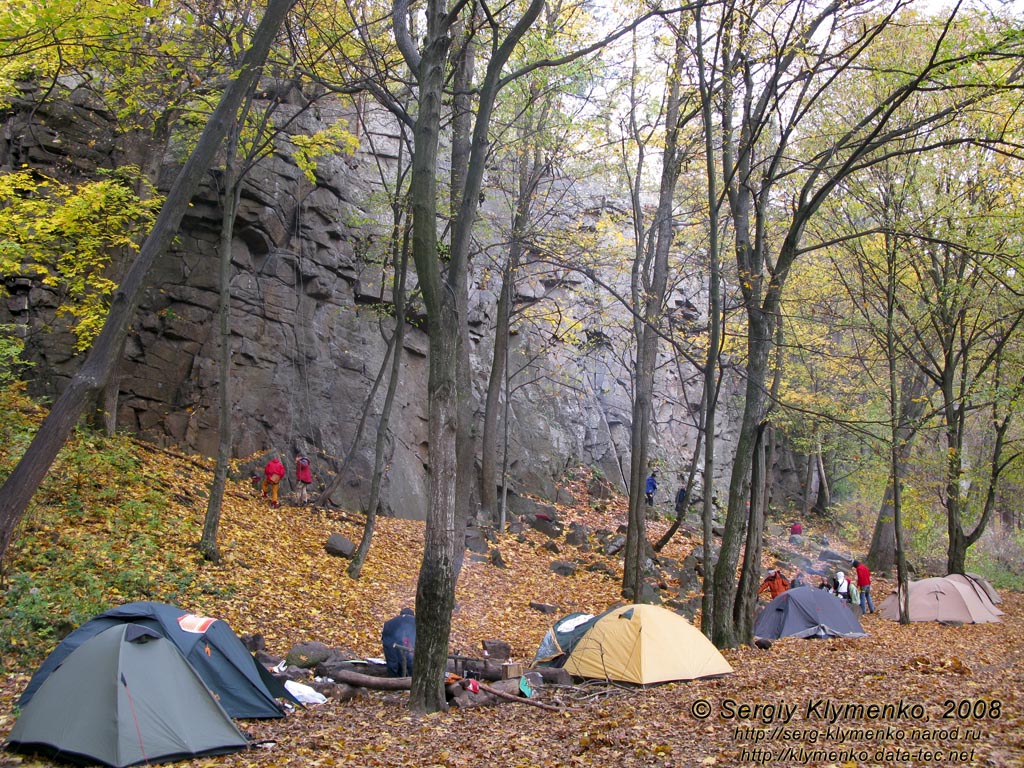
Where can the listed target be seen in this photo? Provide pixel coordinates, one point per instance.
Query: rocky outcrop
(310, 312)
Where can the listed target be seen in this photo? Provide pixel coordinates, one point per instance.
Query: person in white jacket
(841, 586)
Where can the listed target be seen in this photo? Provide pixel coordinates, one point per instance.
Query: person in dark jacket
(399, 640)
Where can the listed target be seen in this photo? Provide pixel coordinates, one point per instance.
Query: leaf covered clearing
(945, 695)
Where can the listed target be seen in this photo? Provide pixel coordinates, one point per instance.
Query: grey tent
(244, 688)
(807, 612)
(125, 696)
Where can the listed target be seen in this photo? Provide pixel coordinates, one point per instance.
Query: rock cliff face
(310, 317)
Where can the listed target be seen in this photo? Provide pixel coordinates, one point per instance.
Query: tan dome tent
(985, 590)
(945, 600)
(641, 644)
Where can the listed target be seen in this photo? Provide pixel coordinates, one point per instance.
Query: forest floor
(922, 695)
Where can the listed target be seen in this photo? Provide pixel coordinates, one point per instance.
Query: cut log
(498, 650)
(370, 681)
(481, 669)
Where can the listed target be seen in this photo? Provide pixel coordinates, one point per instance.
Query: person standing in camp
(272, 474)
(303, 477)
(864, 585)
(841, 586)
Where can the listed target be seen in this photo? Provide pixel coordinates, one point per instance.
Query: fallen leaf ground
(945, 696)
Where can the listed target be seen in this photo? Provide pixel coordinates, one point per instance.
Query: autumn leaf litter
(277, 580)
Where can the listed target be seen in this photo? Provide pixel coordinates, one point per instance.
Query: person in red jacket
(774, 585)
(272, 474)
(864, 585)
(303, 476)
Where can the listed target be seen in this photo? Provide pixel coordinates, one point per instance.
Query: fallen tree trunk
(372, 681)
(405, 683)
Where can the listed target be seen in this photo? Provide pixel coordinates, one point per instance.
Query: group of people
(651, 487)
(858, 592)
(274, 472)
(855, 593)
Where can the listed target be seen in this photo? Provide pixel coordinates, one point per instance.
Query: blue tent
(807, 612)
(244, 688)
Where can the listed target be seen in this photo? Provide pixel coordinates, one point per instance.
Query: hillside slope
(277, 580)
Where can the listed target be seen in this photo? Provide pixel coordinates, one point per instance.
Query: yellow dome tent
(642, 644)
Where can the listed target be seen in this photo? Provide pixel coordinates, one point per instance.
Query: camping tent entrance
(125, 696)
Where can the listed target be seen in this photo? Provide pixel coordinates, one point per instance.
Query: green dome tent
(244, 688)
(125, 696)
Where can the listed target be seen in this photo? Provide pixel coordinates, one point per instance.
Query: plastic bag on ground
(304, 693)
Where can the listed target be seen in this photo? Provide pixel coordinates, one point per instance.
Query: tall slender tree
(649, 290)
(442, 280)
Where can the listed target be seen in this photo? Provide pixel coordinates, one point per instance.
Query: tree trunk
(953, 410)
(712, 377)
(882, 553)
(20, 486)
(106, 415)
(448, 390)
(231, 193)
(529, 177)
(823, 499)
(655, 282)
(492, 402)
(808, 484)
(750, 575)
(759, 340)
(356, 566)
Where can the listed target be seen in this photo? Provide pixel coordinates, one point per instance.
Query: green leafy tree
(67, 236)
(774, 88)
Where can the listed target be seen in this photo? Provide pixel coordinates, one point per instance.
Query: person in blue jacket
(652, 486)
(399, 640)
